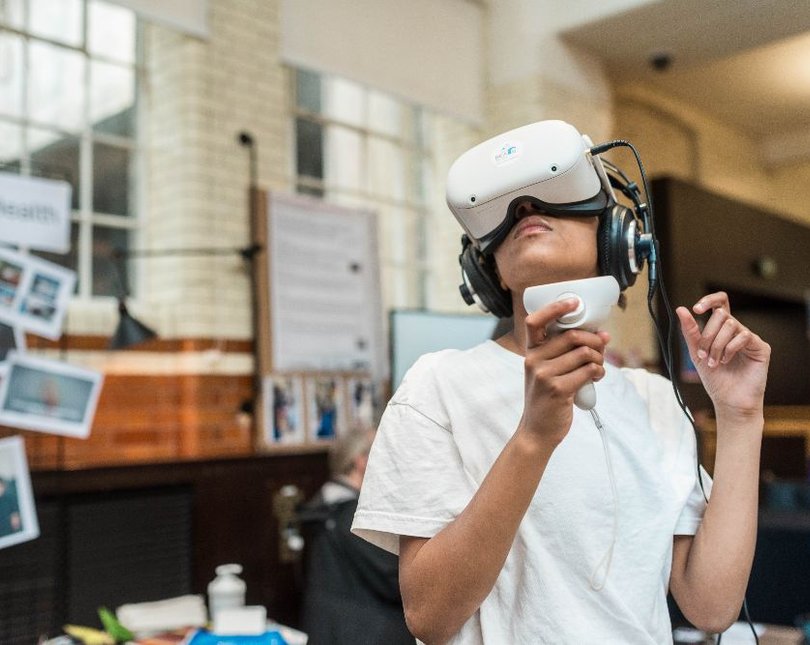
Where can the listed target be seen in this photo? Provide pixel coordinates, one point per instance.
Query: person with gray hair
(351, 593)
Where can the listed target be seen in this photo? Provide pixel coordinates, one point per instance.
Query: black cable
(665, 336)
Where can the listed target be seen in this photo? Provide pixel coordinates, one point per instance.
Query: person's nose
(524, 208)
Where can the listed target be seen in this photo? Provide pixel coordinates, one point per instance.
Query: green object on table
(114, 628)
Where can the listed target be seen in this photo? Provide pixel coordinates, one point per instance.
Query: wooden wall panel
(153, 418)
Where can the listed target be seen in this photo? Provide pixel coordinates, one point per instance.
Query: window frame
(84, 216)
(417, 151)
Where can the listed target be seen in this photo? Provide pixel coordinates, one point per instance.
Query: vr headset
(548, 162)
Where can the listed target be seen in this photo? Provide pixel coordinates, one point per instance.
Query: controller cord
(600, 573)
(665, 335)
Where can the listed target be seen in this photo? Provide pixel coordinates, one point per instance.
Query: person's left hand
(731, 360)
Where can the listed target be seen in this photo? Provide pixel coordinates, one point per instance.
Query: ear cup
(616, 241)
(481, 284)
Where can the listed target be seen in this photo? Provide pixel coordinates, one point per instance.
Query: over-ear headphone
(624, 241)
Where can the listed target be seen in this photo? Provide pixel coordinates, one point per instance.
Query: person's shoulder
(651, 386)
(443, 361)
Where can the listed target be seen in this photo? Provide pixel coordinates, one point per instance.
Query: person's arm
(444, 579)
(710, 570)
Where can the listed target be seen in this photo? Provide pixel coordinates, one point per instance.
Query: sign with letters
(35, 212)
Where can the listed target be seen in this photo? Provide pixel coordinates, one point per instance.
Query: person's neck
(515, 340)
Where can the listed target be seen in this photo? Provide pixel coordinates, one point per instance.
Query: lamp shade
(129, 331)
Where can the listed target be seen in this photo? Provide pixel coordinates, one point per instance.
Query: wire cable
(665, 335)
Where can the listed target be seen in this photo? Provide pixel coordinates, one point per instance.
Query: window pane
(112, 99)
(69, 260)
(111, 32)
(56, 87)
(11, 74)
(309, 148)
(398, 233)
(386, 169)
(423, 179)
(344, 101)
(308, 90)
(110, 275)
(56, 156)
(10, 147)
(11, 13)
(343, 164)
(424, 128)
(384, 114)
(59, 20)
(112, 172)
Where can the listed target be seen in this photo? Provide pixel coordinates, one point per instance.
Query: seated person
(352, 587)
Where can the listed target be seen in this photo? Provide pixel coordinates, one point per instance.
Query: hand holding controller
(596, 297)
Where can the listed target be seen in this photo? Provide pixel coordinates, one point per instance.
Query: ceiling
(743, 62)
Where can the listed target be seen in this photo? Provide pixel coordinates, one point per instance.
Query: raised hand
(731, 360)
(555, 368)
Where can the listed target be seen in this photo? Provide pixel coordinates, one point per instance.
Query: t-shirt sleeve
(415, 482)
(692, 513)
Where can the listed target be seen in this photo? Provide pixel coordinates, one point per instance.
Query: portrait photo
(48, 396)
(363, 400)
(325, 406)
(18, 517)
(34, 293)
(11, 339)
(283, 409)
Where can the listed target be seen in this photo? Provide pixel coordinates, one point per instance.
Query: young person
(516, 518)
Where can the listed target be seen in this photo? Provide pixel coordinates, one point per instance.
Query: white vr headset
(548, 162)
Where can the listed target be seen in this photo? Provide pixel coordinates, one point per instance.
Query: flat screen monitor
(415, 332)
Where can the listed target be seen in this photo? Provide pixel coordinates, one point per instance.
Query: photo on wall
(10, 277)
(325, 406)
(48, 396)
(362, 394)
(12, 339)
(34, 293)
(18, 516)
(283, 410)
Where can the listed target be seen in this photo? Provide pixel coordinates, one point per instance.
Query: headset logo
(506, 153)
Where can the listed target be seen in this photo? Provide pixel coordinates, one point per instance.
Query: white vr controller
(596, 298)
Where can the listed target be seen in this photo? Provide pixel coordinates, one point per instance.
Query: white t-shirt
(440, 434)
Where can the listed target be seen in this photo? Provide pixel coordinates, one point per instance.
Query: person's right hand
(555, 368)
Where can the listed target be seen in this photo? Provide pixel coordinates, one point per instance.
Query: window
(69, 79)
(360, 147)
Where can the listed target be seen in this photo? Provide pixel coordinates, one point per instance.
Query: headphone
(624, 241)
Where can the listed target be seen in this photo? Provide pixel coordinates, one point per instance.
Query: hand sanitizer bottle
(227, 590)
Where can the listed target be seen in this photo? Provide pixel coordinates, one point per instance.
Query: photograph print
(325, 406)
(363, 400)
(18, 517)
(48, 396)
(10, 277)
(11, 339)
(283, 410)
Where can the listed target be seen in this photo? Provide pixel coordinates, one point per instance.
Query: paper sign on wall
(35, 212)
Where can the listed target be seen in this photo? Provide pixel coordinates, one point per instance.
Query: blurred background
(176, 123)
